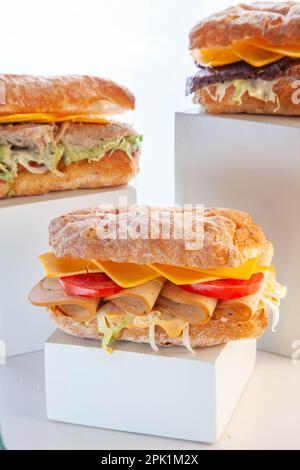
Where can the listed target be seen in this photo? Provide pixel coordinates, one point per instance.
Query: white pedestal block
(171, 393)
(24, 235)
(250, 163)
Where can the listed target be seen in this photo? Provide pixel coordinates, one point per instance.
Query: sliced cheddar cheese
(49, 117)
(127, 274)
(60, 267)
(215, 57)
(290, 51)
(254, 55)
(256, 52)
(182, 276)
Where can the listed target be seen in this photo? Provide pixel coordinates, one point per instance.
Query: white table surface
(267, 416)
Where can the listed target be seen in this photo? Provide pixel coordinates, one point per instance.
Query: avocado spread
(38, 162)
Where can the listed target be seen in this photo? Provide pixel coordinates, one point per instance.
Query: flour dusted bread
(210, 334)
(230, 238)
(248, 60)
(276, 22)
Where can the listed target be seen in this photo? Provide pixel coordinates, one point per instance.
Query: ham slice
(49, 293)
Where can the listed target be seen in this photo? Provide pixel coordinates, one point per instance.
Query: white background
(142, 44)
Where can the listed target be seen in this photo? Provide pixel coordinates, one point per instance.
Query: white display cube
(171, 393)
(24, 235)
(251, 163)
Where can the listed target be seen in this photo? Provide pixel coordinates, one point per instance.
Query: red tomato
(89, 285)
(227, 288)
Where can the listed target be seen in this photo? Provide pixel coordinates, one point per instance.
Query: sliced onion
(186, 338)
(152, 337)
(274, 310)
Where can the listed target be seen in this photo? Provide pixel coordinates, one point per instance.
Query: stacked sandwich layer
(248, 58)
(155, 290)
(54, 135)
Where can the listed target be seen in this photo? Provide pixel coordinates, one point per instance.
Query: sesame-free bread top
(276, 22)
(230, 237)
(62, 95)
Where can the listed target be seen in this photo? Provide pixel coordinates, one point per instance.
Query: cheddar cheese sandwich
(154, 289)
(248, 59)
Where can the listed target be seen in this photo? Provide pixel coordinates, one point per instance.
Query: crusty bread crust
(114, 169)
(212, 333)
(62, 95)
(283, 88)
(230, 238)
(276, 22)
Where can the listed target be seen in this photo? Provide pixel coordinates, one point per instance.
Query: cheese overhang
(51, 117)
(255, 52)
(129, 275)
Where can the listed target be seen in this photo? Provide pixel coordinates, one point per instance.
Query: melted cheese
(254, 55)
(253, 51)
(290, 51)
(50, 117)
(130, 275)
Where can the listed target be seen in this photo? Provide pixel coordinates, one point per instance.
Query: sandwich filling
(123, 296)
(40, 148)
(257, 82)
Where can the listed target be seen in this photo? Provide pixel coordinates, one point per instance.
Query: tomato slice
(227, 288)
(89, 285)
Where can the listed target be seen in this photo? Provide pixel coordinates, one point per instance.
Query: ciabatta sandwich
(248, 59)
(151, 288)
(55, 134)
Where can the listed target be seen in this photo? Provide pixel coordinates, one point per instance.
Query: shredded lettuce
(128, 144)
(273, 294)
(257, 88)
(48, 159)
(110, 333)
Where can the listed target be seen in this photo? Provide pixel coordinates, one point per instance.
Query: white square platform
(171, 393)
(251, 163)
(24, 235)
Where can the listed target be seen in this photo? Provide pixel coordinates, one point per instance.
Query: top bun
(62, 95)
(276, 22)
(230, 237)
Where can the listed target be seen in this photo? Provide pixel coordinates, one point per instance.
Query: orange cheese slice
(254, 55)
(290, 51)
(180, 276)
(60, 267)
(127, 274)
(49, 117)
(256, 52)
(215, 57)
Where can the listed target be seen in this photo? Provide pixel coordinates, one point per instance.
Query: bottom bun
(212, 333)
(286, 103)
(114, 169)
